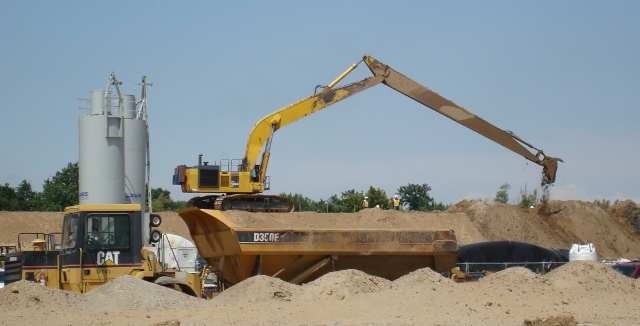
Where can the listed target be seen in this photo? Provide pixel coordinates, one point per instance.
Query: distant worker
(365, 203)
(396, 203)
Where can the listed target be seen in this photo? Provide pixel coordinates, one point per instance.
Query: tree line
(61, 191)
(413, 197)
(527, 198)
(58, 192)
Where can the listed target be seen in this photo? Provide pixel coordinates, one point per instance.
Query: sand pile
(579, 293)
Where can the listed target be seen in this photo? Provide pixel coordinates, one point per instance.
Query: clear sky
(562, 75)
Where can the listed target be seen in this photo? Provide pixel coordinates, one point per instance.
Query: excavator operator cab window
(107, 231)
(254, 173)
(69, 231)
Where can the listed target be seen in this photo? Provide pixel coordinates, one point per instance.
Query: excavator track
(243, 202)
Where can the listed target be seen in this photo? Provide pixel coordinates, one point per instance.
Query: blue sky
(562, 75)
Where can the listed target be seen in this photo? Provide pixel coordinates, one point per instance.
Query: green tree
(349, 201)
(8, 198)
(303, 204)
(26, 198)
(353, 200)
(334, 204)
(179, 204)
(379, 197)
(604, 203)
(416, 197)
(440, 206)
(61, 190)
(161, 200)
(502, 196)
(528, 199)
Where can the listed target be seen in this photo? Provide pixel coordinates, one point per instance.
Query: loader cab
(99, 243)
(96, 228)
(93, 231)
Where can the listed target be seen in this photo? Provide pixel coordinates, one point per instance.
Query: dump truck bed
(241, 244)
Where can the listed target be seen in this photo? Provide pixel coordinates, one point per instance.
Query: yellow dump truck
(238, 245)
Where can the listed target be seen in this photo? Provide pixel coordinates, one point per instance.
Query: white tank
(101, 164)
(178, 253)
(583, 252)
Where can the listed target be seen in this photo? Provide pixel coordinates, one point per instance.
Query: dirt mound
(336, 285)
(259, 288)
(517, 276)
(343, 284)
(590, 275)
(424, 276)
(628, 214)
(133, 293)
(14, 223)
(556, 225)
(30, 295)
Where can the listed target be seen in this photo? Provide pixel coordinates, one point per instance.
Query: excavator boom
(264, 129)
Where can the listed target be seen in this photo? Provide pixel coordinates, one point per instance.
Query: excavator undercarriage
(242, 202)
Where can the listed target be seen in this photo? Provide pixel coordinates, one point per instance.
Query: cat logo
(109, 258)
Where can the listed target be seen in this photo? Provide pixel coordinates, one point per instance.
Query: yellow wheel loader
(98, 243)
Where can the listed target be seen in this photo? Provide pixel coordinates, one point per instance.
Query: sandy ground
(579, 293)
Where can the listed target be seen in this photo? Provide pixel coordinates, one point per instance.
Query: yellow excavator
(237, 246)
(238, 184)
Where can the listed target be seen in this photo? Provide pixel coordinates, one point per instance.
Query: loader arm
(434, 101)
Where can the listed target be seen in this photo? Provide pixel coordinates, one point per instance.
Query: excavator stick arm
(438, 103)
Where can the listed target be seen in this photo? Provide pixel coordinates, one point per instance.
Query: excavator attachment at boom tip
(550, 167)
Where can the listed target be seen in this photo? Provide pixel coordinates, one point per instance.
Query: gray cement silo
(102, 150)
(135, 153)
